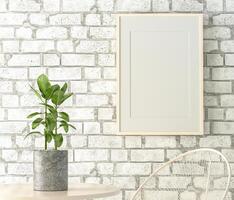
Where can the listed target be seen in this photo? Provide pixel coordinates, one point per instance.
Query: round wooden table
(75, 192)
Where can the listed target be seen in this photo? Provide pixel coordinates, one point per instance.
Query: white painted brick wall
(75, 41)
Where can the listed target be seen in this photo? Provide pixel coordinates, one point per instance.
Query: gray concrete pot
(50, 169)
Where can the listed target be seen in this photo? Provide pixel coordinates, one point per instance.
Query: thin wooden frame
(139, 132)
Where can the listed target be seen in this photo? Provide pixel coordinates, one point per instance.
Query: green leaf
(58, 140)
(64, 116)
(50, 122)
(36, 93)
(48, 137)
(32, 133)
(43, 84)
(64, 88)
(45, 104)
(33, 114)
(57, 97)
(72, 126)
(36, 123)
(65, 126)
(66, 96)
(50, 91)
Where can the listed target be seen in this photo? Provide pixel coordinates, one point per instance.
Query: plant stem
(56, 126)
(45, 124)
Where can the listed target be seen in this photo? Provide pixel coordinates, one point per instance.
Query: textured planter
(50, 170)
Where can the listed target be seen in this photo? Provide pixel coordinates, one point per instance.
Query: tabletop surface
(75, 192)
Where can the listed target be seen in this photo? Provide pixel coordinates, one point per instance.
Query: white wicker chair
(201, 174)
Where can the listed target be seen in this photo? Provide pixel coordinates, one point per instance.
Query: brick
(12, 73)
(28, 100)
(229, 154)
(12, 18)
(92, 47)
(133, 5)
(105, 168)
(132, 169)
(108, 19)
(105, 113)
(9, 155)
(106, 59)
(174, 182)
(2, 169)
(161, 194)
(215, 141)
(119, 155)
(3, 6)
(214, 60)
(26, 156)
(51, 5)
(24, 5)
(20, 169)
(161, 5)
(227, 46)
(5, 141)
(188, 195)
(102, 32)
(105, 5)
(80, 113)
(78, 141)
(24, 60)
(23, 143)
(78, 59)
(214, 5)
(10, 46)
(91, 155)
(105, 142)
(188, 168)
(160, 141)
(103, 86)
(218, 87)
(2, 59)
(37, 19)
(123, 182)
(78, 5)
(215, 114)
(10, 101)
(227, 100)
(187, 5)
(92, 73)
(6, 86)
(64, 73)
(92, 128)
(37, 46)
(52, 33)
(223, 127)
(133, 142)
(188, 141)
(109, 128)
(6, 33)
(79, 86)
(217, 33)
(91, 100)
(109, 73)
(65, 46)
(34, 72)
(2, 113)
(65, 19)
(223, 19)
(223, 74)
(147, 155)
(80, 168)
(93, 19)
(24, 33)
(229, 59)
(79, 32)
(210, 45)
(20, 114)
(229, 5)
(51, 60)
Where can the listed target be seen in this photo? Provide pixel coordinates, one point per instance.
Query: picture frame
(160, 74)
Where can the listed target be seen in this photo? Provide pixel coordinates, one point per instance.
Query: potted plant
(50, 165)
